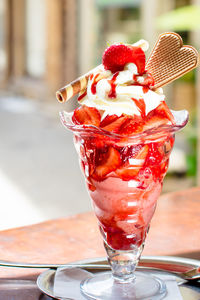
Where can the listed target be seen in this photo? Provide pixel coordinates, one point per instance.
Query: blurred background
(46, 44)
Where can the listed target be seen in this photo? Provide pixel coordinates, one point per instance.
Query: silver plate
(188, 291)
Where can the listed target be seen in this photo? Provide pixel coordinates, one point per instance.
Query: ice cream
(124, 133)
(123, 173)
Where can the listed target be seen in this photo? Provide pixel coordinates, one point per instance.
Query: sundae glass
(124, 134)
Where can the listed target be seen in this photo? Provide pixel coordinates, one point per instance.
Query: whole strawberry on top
(117, 56)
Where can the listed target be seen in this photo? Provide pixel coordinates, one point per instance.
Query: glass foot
(103, 287)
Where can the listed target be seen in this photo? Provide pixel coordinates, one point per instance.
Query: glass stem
(123, 263)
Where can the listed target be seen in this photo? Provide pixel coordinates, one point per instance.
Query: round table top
(175, 230)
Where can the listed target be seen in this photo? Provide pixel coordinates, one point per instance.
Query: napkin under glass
(67, 284)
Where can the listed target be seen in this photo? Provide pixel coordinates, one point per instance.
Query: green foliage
(191, 157)
(188, 77)
(181, 19)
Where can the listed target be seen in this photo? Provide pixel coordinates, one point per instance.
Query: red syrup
(112, 93)
(82, 96)
(94, 85)
(149, 81)
(141, 105)
(135, 77)
(145, 89)
(145, 85)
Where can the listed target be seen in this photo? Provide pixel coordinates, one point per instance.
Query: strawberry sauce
(82, 96)
(112, 93)
(141, 106)
(145, 89)
(135, 77)
(94, 84)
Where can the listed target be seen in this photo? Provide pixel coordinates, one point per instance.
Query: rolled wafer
(170, 59)
(74, 87)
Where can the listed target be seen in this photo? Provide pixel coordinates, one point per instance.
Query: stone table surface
(175, 230)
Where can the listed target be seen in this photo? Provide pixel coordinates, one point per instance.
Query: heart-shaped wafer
(170, 59)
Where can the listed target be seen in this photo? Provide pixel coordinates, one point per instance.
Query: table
(175, 230)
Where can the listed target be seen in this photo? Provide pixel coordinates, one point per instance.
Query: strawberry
(116, 124)
(86, 115)
(142, 154)
(130, 151)
(108, 119)
(155, 156)
(110, 162)
(91, 187)
(161, 115)
(131, 126)
(117, 56)
(161, 112)
(164, 168)
(154, 122)
(129, 171)
(164, 112)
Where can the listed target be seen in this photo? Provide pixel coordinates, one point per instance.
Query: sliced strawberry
(117, 56)
(164, 168)
(108, 119)
(116, 124)
(86, 115)
(127, 173)
(161, 115)
(140, 105)
(131, 126)
(164, 112)
(132, 167)
(99, 142)
(110, 162)
(155, 156)
(91, 187)
(130, 151)
(155, 121)
(142, 154)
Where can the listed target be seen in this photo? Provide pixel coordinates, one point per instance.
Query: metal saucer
(189, 290)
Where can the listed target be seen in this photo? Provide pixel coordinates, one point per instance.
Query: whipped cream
(128, 85)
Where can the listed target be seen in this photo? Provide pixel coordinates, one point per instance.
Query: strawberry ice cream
(123, 136)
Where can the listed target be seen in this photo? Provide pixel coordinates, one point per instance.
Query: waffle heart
(170, 59)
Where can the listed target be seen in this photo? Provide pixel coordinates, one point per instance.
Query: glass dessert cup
(124, 178)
